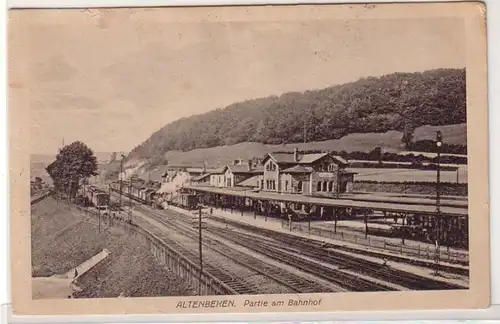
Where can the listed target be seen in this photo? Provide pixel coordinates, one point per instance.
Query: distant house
(201, 180)
(217, 178)
(253, 182)
(232, 175)
(172, 171)
(295, 172)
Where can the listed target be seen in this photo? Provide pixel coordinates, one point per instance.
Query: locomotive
(98, 198)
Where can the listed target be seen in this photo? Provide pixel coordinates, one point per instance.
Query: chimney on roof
(250, 165)
(296, 155)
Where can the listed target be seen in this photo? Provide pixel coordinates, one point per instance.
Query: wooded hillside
(399, 101)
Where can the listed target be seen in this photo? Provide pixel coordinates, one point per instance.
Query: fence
(420, 251)
(168, 256)
(41, 197)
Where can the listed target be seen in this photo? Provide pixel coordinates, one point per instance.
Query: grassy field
(61, 238)
(402, 175)
(389, 141)
(64, 237)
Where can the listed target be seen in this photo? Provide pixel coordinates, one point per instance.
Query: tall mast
(305, 132)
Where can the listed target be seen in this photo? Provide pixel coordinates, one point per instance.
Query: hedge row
(412, 187)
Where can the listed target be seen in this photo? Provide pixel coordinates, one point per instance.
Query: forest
(398, 101)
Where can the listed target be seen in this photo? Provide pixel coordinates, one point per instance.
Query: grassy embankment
(64, 237)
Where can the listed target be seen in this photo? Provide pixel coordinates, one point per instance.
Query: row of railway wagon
(136, 192)
(97, 197)
(152, 197)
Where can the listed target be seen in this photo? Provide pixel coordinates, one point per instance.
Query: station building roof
(426, 209)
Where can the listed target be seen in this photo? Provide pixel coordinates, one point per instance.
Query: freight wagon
(98, 198)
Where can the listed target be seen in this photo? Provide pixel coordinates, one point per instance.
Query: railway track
(342, 279)
(373, 269)
(292, 281)
(345, 280)
(283, 246)
(237, 284)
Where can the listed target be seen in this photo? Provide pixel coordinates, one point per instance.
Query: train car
(188, 201)
(135, 190)
(97, 197)
(100, 200)
(126, 188)
(149, 195)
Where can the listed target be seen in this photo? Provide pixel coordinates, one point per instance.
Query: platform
(422, 209)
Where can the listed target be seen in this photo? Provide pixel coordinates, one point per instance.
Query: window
(319, 186)
(331, 167)
(262, 184)
(286, 185)
(299, 186)
(330, 186)
(274, 185)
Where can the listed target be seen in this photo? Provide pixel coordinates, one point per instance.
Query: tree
(112, 157)
(407, 138)
(376, 154)
(73, 163)
(436, 97)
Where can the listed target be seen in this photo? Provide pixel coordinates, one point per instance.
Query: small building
(202, 180)
(232, 175)
(253, 182)
(217, 178)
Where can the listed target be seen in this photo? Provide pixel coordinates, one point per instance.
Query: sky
(111, 78)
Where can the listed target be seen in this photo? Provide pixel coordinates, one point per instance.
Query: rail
(310, 248)
(168, 256)
(284, 277)
(424, 252)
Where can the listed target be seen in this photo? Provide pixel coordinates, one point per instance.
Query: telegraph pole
(305, 132)
(121, 179)
(337, 189)
(200, 246)
(99, 216)
(130, 201)
(109, 204)
(439, 143)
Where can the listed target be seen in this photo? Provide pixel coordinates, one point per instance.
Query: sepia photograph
(208, 154)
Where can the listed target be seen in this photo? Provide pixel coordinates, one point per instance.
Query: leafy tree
(376, 154)
(112, 157)
(407, 138)
(73, 163)
(398, 101)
